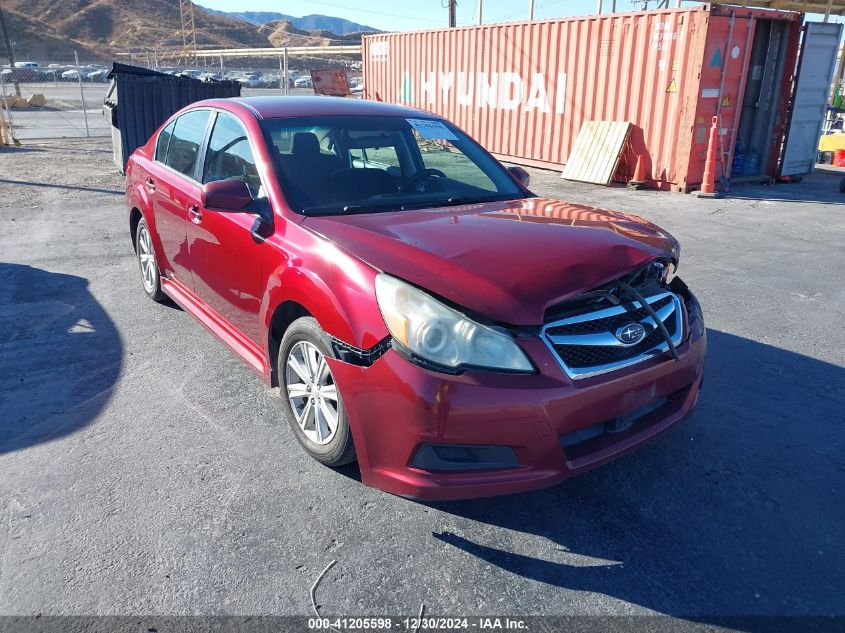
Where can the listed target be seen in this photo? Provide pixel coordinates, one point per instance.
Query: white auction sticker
(432, 129)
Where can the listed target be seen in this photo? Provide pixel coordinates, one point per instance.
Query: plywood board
(595, 155)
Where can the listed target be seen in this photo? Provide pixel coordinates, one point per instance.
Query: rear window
(184, 147)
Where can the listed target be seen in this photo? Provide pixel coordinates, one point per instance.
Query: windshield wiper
(348, 209)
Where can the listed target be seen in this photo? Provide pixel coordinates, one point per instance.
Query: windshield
(360, 164)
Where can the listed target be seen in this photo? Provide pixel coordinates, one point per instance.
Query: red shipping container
(524, 89)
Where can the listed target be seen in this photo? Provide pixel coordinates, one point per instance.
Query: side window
(185, 143)
(163, 141)
(229, 155)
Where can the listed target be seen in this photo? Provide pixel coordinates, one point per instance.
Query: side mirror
(226, 195)
(521, 175)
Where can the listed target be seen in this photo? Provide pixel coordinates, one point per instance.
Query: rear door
(177, 192)
(815, 72)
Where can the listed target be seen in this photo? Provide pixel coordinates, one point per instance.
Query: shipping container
(524, 89)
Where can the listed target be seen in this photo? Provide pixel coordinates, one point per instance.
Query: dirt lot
(144, 470)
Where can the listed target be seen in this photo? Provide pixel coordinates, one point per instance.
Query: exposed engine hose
(660, 326)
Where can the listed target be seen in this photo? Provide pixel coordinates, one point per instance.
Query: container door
(815, 72)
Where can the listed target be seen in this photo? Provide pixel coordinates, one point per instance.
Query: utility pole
(10, 53)
(531, 11)
(452, 21)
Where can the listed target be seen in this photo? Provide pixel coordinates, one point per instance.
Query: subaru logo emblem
(631, 333)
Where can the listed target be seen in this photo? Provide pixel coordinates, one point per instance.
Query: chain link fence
(50, 99)
(55, 100)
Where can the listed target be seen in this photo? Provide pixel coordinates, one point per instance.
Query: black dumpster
(140, 100)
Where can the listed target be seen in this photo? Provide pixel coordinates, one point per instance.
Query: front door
(225, 255)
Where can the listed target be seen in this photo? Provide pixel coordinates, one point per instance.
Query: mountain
(283, 33)
(35, 41)
(50, 30)
(312, 22)
(135, 25)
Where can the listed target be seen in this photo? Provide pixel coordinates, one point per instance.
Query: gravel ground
(145, 470)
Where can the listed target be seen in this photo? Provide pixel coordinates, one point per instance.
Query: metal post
(287, 70)
(282, 78)
(6, 109)
(480, 11)
(82, 94)
(531, 11)
(598, 7)
(222, 69)
(452, 20)
(10, 51)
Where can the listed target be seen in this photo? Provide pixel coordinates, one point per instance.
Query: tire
(310, 396)
(147, 265)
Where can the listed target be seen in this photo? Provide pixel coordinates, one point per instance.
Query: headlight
(442, 335)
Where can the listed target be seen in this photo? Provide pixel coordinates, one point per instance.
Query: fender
(334, 286)
(137, 197)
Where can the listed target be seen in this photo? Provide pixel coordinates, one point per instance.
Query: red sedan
(420, 309)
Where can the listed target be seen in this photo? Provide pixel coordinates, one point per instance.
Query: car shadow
(60, 356)
(737, 511)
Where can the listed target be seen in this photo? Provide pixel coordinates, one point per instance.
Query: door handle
(151, 184)
(195, 214)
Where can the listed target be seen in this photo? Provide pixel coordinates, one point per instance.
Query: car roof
(282, 107)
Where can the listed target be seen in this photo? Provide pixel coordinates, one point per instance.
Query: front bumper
(396, 409)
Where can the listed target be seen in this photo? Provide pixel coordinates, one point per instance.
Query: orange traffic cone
(708, 182)
(638, 180)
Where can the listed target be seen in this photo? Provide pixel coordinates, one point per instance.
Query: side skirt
(243, 348)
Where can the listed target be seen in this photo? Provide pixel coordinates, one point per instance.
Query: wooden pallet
(597, 150)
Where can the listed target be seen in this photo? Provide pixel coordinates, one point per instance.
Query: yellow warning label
(726, 102)
(672, 87)
(676, 64)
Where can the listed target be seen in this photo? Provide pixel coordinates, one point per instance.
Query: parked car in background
(98, 75)
(210, 77)
(190, 72)
(250, 80)
(74, 74)
(420, 309)
(271, 80)
(19, 74)
(304, 82)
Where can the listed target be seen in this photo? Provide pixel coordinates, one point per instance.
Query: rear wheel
(310, 395)
(150, 278)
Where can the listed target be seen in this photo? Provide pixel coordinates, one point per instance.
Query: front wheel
(310, 395)
(147, 264)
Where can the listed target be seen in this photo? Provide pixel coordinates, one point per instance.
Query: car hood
(509, 261)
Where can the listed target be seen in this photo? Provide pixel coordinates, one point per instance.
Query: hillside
(139, 24)
(36, 41)
(283, 33)
(51, 29)
(312, 22)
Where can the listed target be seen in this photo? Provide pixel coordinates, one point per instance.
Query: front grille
(587, 344)
(609, 323)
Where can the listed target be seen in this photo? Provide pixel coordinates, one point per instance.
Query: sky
(405, 15)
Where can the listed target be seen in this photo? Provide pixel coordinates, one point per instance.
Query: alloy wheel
(312, 392)
(147, 258)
